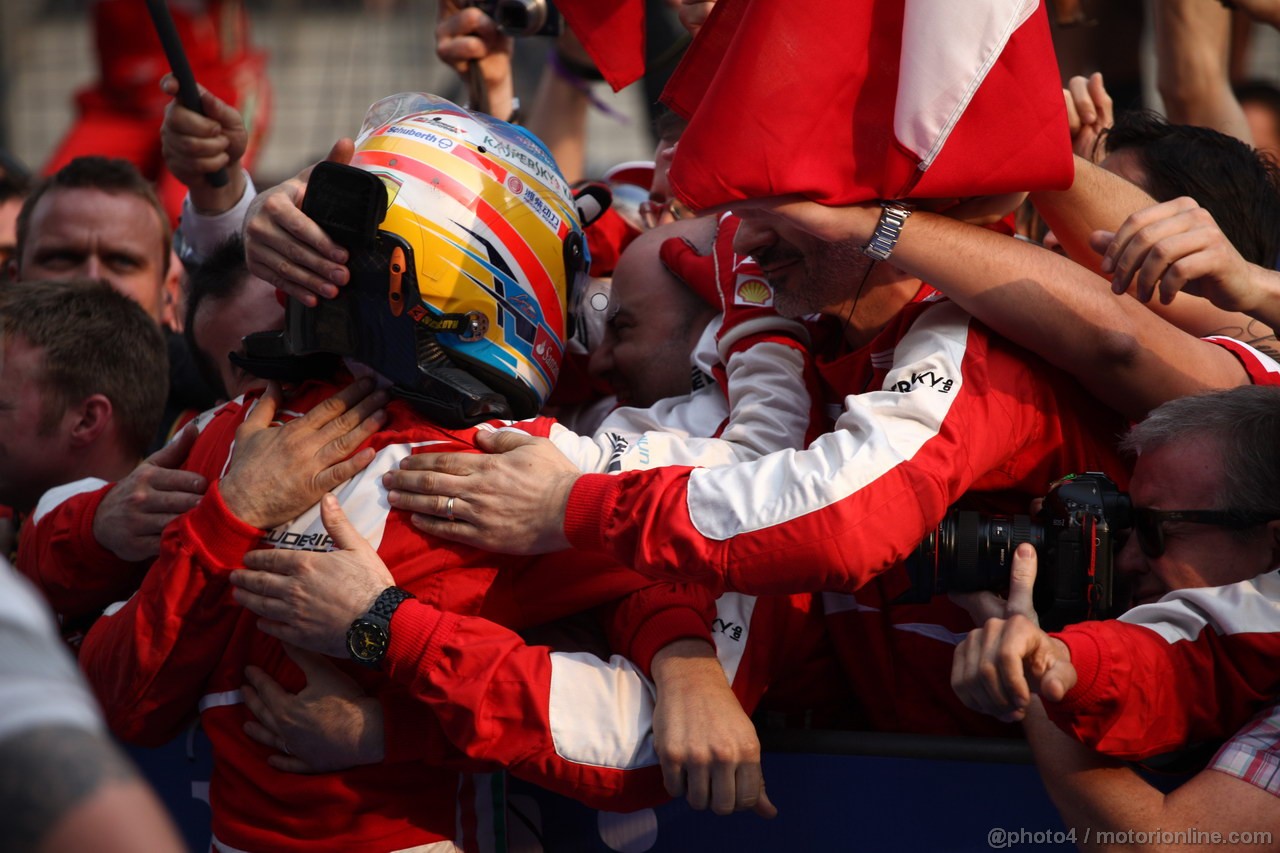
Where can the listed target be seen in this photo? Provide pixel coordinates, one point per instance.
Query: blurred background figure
(1260, 101)
(326, 61)
(119, 113)
(66, 785)
(14, 187)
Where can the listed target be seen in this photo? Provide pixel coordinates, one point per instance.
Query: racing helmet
(465, 251)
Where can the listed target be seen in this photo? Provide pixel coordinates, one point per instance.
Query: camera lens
(970, 551)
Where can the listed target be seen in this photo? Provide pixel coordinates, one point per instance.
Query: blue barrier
(834, 790)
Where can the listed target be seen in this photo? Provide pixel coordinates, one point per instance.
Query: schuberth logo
(752, 291)
(515, 185)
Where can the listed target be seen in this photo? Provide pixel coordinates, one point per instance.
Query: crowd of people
(444, 457)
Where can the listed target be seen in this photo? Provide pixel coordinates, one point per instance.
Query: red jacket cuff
(419, 633)
(591, 503)
(1091, 661)
(663, 628)
(215, 532)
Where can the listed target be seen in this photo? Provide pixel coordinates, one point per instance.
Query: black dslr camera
(523, 17)
(1074, 537)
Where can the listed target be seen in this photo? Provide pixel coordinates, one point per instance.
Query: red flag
(869, 99)
(612, 31)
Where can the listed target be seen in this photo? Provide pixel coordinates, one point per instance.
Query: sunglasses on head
(1148, 524)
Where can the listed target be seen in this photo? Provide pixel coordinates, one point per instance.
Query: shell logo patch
(752, 291)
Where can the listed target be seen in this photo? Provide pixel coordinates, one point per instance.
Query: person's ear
(90, 420)
(171, 313)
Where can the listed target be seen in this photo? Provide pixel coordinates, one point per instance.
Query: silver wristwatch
(888, 229)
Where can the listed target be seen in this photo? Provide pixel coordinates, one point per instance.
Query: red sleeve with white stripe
(1262, 368)
(569, 722)
(148, 660)
(59, 553)
(768, 408)
(955, 411)
(572, 722)
(1194, 666)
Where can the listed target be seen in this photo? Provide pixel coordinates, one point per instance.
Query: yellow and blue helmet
(466, 248)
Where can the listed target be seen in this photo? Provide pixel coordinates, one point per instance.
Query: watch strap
(384, 607)
(885, 237)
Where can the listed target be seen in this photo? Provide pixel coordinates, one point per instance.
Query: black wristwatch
(370, 635)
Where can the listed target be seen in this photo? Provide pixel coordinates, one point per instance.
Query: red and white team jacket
(934, 411)
(765, 409)
(617, 698)
(59, 553)
(1193, 666)
(935, 408)
(181, 643)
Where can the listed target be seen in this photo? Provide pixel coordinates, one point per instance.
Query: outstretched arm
(494, 697)
(1098, 200)
(705, 742)
(993, 668)
(1118, 349)
(1177, 246)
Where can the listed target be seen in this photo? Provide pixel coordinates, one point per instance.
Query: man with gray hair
(1202, 559)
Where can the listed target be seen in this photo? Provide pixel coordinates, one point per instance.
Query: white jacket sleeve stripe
(878, 431)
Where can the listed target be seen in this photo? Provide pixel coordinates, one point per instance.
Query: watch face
(366, 641)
